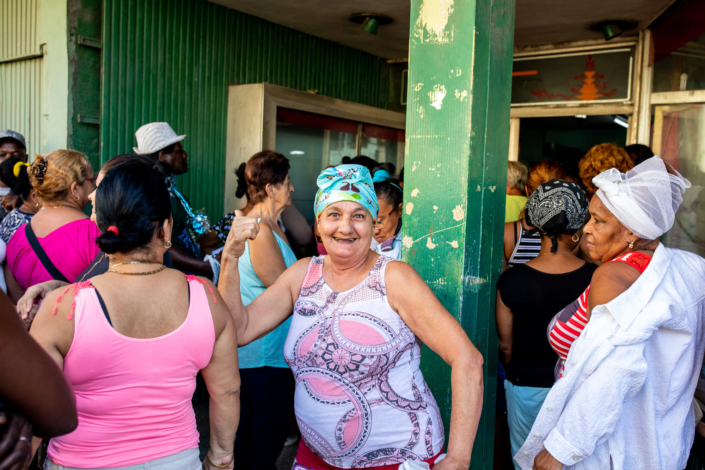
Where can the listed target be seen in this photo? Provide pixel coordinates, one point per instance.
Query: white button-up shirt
(625, 399)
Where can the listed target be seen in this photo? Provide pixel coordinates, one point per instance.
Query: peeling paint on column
(433, 19)
(409, 208)
(437, 95)
(451, 42)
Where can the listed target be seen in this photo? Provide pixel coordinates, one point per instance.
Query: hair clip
(38, 169)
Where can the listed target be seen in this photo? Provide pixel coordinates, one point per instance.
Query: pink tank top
(133, 395)
(361, 400)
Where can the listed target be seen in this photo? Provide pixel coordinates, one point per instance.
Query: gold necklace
(146, 273)
(133, 262)
(54, 207)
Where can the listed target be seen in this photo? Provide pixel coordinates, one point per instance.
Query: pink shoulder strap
(191, 277)
(76, 288)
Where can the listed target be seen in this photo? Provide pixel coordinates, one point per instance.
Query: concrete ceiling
(537, 21)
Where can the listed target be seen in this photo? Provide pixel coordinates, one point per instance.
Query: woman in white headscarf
(625, 398)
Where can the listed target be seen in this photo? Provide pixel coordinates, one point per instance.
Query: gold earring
(576, 238)
(167, 244)
(78, 198)
(631, 245)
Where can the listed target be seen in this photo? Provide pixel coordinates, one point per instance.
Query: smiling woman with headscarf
(354, 341)
(625, 398)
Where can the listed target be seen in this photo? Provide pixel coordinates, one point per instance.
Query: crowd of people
(317, 331)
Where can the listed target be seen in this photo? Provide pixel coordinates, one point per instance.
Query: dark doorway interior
(567, 139)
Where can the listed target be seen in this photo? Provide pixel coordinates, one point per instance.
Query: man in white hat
(159, 141)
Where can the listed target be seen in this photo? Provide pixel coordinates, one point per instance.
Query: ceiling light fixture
(611, 29)
(370, 21)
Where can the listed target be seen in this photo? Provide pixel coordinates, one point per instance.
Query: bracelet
(216, 465)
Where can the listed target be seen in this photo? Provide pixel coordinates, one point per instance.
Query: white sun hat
(154, 137)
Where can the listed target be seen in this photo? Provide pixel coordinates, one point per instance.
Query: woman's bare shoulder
(611, 280)
(400, 274)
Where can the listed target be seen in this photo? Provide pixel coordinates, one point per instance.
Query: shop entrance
(566, 139)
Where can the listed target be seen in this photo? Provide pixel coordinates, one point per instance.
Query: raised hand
(242, 229)
(26, 307)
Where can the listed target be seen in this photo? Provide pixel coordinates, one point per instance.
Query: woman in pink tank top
(131, 342)
(358, 321)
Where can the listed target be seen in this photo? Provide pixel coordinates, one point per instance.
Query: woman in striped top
(566, 326)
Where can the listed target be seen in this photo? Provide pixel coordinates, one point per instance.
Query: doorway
(567, 139)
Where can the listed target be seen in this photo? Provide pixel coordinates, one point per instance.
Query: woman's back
(534, 297)
(133, 363)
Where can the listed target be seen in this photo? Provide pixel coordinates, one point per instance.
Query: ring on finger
(22, 438)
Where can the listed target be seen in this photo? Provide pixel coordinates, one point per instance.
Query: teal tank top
(267, 351)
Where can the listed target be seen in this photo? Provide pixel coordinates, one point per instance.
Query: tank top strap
(313, 280)
(639, 261)
(78, 286)
(192, 278)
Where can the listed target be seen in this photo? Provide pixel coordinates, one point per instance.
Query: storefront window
(313, 142)
(681, 69)
(679, 138)
(382, 144)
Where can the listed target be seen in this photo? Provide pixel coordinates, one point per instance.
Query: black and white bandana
(557, 207)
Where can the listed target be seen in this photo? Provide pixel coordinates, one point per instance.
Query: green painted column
(457, 138)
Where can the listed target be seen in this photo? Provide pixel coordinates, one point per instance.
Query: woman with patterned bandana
(354, 341)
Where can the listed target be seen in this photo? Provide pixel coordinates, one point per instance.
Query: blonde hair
(52, 174)
(601, 158)
(517, 175)
(543, 172)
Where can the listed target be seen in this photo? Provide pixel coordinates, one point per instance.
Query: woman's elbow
(472, 362)
(60, 426)
(226, 393)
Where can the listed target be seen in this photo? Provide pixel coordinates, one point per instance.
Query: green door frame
(457, 137)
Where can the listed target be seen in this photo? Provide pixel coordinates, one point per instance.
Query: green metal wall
(173, 60)
(20, 80)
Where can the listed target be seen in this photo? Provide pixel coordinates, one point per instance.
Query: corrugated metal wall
(20, 81)
(173, 60)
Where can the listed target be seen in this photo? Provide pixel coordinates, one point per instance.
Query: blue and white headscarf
(346, 183)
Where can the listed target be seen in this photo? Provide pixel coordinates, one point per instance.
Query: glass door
(313, 142)
(678, 137)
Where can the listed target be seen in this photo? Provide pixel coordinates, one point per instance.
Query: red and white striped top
(563, 334)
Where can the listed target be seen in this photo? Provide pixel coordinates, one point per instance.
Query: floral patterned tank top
(361, 399)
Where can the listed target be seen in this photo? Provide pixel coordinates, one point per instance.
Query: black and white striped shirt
(526, 246)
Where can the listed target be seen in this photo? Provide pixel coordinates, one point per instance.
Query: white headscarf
(645, 199)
